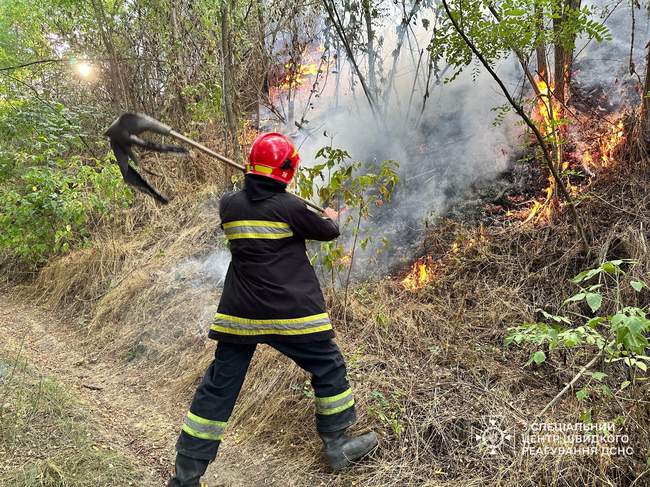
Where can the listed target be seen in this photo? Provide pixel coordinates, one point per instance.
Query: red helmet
(274, 156)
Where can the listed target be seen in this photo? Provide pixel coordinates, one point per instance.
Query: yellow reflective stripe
(208, 422)
(259, 168)
(302, 331)
(343, 407)
(287, 321)
(198, 434)
(255, 223)
(263, 169)
(271, 236)
(325, 400)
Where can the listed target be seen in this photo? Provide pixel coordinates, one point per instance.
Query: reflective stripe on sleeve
(334, 404)
(205, 429)
(293, 326)
(256, 229)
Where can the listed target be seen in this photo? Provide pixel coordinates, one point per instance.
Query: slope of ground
(429, 368)
(108, 413)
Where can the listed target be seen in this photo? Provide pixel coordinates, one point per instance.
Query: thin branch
(338, 25)
(66, 60)
(572, 382)
(520, 111)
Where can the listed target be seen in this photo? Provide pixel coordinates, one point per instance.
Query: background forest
(493, 266)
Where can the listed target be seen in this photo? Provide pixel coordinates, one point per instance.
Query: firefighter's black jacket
(271, 290)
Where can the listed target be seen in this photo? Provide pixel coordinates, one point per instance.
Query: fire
(545, 114)
(602, 155)
(345, 260)
(611, 142)
(419, 275)
(297, 75)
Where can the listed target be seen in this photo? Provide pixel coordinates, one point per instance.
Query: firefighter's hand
(331, 213)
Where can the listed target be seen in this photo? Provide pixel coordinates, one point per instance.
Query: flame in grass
(547, 116)
(603, 155)
(419, 275)
(609, 144)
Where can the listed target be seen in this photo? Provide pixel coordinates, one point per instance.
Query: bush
(50, 210)
(49, 196)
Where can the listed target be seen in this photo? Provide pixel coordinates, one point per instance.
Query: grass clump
(48, 438)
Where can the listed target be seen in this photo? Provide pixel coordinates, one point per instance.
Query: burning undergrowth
(427, 362)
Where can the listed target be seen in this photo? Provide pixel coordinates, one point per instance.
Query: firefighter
(271, 296)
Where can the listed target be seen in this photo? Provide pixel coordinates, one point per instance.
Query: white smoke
(454, 144)
(442, 148)
(605, 66)
(209, 270)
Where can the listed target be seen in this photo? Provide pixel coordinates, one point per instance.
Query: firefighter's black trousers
(215, 397)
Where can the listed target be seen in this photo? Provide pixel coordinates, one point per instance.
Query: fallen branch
(573, 381)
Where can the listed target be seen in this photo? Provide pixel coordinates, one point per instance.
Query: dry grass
(48, 438)
(427, 367)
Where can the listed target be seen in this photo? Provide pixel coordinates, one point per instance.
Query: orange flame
(608, 144)
(298, 75)
(419, 276)
(545, 114)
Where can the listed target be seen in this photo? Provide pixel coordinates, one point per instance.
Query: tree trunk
(119, 91)
(568, 54)
(542, 63)
(559, 59)
(370, 46)
(228, 85)
(645, 104)
(259, 7)
(179, 61)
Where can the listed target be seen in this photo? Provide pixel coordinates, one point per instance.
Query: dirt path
(138, 418)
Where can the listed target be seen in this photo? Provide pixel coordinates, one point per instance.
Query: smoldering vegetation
(427, 367)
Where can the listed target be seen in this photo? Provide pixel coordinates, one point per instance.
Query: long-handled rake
(124, 134)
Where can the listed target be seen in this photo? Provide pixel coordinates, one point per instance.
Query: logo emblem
(493, 438)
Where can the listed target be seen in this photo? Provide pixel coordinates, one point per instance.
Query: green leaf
(625, 384)
(594, 322)
(637, 285)
(598, 375)
(575, 297)
(582, 394)
(595, 301)
(538, 357)
(609, 267)
(586, 275)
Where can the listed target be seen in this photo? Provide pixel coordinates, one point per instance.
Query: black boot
(340, 450)
(188, 471)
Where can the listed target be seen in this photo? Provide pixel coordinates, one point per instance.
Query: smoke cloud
(449, 145)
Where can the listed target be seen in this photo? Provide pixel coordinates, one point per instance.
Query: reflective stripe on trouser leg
(203, 428)
(323, 360)
(334, 404)
(204, 425)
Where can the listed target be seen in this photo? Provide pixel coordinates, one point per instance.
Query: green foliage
(516, 29)
(48, 210)
(622, 333)
(49, 196)
(339, 182)
(388, 411)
